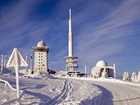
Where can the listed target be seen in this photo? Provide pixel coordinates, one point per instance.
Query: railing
(11, 100)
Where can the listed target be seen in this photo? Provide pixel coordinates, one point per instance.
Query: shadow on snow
(105, 98)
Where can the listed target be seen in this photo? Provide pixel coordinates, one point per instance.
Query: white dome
(101, 63)
(41, 44)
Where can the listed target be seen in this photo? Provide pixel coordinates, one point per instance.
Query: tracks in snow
(64, 95)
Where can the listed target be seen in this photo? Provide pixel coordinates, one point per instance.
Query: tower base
(71, 66)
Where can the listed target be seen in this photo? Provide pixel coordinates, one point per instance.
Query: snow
(110, 80)
(118, 93)
(54, 91)
(73, 91)
(115, 92)
(78, 94)
(4, 93)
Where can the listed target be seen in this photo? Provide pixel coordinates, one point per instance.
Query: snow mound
(45, 75)
(42, 75)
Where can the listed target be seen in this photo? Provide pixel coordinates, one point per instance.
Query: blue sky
(102, 29)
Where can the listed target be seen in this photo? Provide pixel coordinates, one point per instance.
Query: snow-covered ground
(116, 92)
(54, 91)
(73, 91)
(4, 91)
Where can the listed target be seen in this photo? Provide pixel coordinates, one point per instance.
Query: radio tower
(71, 61)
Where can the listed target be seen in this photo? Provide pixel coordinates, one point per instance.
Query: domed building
(101, 63)
(103, 70)
(41, 44)
(41, 57)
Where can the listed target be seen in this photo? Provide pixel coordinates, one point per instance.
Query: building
(103, 70)
(41, 57)
(71, 61)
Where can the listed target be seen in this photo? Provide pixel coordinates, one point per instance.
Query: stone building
(41, 57)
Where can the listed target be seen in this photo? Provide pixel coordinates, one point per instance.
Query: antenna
(70, 50)
(70, 26)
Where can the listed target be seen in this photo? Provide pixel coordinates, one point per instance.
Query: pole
(114, 70)
(47, 63)
(17, 77)
(31, 61)
(26, 61)
(1, 63)
(70, 46)
(17, 85)
(85, 70)
(4, 61)
(16, 60)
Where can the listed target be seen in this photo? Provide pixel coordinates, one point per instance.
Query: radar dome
(41, 44)
(101, 63)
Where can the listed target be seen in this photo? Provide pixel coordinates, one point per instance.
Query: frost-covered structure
(135, 77)
(125, 76)
(2, 63)
(139, 76)
(103, 70)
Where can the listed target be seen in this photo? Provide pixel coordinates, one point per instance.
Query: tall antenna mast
(71, 61)
(70, 26)
(70, 49)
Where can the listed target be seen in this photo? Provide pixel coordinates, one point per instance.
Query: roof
(41, 44)
(101, 63)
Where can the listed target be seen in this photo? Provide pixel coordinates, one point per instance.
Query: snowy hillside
(73, 91)
(54, 92)
(114, 92)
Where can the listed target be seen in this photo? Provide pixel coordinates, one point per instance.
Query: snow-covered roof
(101, 63)
(41, 44)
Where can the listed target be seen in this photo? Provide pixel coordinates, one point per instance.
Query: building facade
(41, 57)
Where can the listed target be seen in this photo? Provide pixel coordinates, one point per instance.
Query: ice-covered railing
(12, 88)
(7, 84)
